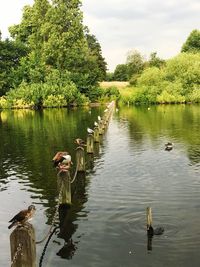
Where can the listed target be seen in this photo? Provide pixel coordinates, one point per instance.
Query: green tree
(155, 61)
(192, 43)
(135, 63)
(10, 54)
(55, 35)
(121, 72)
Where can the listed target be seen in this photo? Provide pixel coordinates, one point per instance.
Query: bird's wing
(19, 216)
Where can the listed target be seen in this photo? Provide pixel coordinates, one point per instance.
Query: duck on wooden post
(90, 141)
(22, 217)
(62, 160)
(80, 142)
(22, 239)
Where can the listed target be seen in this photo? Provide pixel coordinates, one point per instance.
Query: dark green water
(106, 225)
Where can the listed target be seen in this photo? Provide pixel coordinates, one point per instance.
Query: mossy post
(23, 248)
(80, 159)
(96, 135)
(90, 144)
(64, 187)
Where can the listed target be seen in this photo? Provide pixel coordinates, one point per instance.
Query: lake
(130, 170)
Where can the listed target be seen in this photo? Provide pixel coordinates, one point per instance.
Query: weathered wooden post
(80, 159)
(90, 144)
(23, 248)
(64, 187)
(149, 224)
(149, 217)
(101, 127)
(96, 135)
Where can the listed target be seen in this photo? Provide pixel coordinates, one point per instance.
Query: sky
(124, 25)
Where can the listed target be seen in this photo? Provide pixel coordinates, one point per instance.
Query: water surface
(106, 225)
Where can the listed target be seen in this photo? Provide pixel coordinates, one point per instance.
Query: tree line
(176, 80)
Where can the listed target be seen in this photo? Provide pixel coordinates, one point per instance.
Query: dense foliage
(55, 39)
(192, 43)
(177, 82)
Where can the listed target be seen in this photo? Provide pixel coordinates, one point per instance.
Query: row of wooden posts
(22, 239)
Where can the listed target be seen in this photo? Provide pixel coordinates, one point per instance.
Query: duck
(60, 157)
(80, 142)
(90, 131)
(22, 217)
(168, 146)
(96, 124)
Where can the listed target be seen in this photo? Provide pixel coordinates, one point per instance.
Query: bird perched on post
(62, 160)
(90, 131)
(59, 157)
(96, 124)
(80, 142)
(22, 217)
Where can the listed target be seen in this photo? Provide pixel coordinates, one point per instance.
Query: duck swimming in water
(168, 146)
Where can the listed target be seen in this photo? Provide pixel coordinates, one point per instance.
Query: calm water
(131, 170)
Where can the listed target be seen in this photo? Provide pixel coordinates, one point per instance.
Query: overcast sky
(122, 25)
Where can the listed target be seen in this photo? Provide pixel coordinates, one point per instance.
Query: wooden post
(64, 187)
(96, 135)
(80, 159)
(24, 236)
(90, 144)
(149, 217)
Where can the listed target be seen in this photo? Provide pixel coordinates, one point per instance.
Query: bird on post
(96, 124)
(59, 157)
(80, 142)
(22, 217)
(90, 131)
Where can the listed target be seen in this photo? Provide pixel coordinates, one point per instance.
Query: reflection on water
(106, 225)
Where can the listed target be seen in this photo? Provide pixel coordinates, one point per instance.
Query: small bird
(80, 142)
(22, 217)
(96, 124)
(90, 131)
(168, 146)
(59, 157)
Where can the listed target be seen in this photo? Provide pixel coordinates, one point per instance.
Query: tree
(121, 73)
(192, 43)
(135, 63)
(10, 54)
(55, 35)
(155, 61)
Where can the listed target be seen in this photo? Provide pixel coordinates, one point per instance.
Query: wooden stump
(96, 135)
(24, 235)
(64, 187)
(90, 144)
(80, 159)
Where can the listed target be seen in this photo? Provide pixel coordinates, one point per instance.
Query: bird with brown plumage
(22, 217)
